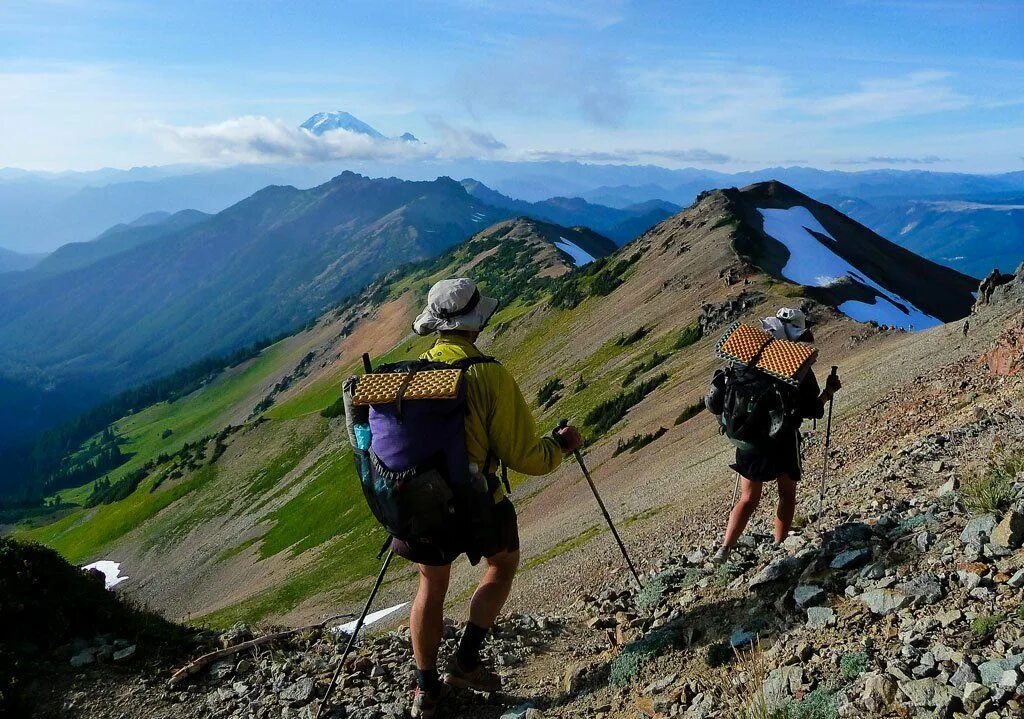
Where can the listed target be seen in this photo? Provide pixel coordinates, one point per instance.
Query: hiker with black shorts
(778, 458)
(499, 427)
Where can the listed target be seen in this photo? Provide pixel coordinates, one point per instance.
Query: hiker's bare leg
(426, 618)
(750, 497)
(787, 505)
(494, 588)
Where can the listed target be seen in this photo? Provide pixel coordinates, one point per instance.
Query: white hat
(455, 305)
(788, 323)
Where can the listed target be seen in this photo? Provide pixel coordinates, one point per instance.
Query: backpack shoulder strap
(468, 362)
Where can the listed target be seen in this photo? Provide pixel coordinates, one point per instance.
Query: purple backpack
(415, 474)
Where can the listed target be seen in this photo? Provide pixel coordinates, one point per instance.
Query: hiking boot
(424, 706)
(722, 555)
(480, 679)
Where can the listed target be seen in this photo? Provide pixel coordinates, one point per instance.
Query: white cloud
(919, 93)
(893, 160)
(259, 139)
(694, 155)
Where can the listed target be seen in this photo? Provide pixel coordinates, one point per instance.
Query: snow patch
(111, 572)
(579, 256)
(814, 264)
(370, 618)
(909, 227)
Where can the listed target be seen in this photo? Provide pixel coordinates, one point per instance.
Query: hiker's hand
(568, 438)
(832, 384)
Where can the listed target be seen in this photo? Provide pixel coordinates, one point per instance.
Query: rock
(573, 678)
(696, 557)
(1010, 679)
(782, 567)
(938, 465)
(924, 589)
(992, 671)
(781, 685)
(879, 693)
(806, 595)
(820, 617)
(925, 693)
(1017, 580)
(884, 602)
(851, 558)
(222, 669)
(239, 632)
(949, 617)
(83, 658)
(124, 654)
(243, 667)
(1009, 533)
(966, 673)
(661, 685)
(520, 712)
(298, 693)
(979, 529)
(948, 487)
(851, 533)
(974, 695)
(741, 638)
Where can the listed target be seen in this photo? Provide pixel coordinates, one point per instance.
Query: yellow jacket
(498, 421)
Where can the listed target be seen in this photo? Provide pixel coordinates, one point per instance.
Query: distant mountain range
(14, 261)
(972, 235)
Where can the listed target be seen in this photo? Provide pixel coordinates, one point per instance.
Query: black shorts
(765, 464)
(500, 534)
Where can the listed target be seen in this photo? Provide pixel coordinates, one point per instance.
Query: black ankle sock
(468, 653)
(428, 681)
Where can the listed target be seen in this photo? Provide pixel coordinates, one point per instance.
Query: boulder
(879, 693)
(820, 617)
(979, 529)
(992, 671)
(974, 695)
(781, 685)
(851, 558)
(966, 673)
(851, 533)
(298, 693)
(124, 654)
(884, 602)
(1009, 533)
(925, 693)
(806, 595)
(924, 589)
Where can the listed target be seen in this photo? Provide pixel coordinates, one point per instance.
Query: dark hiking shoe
(480, 679)
(424, 706)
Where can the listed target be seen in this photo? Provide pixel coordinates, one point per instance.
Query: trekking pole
(736, 490)
(604, 510)
(355, 633)
(828, 442)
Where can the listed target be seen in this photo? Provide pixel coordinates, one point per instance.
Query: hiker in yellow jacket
(499, 426)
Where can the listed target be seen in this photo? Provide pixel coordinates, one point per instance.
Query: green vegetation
(689, 335)
(595, 279)
(633, 337)
(605, 415)
(637, 441)
(853, 664)
(563, 547)
(985, 624)
(819, 703)
(650, 595)
(726, 573)
(992, 490)
(626, 666)
(548, 394)
(689, 412)
(647, 365)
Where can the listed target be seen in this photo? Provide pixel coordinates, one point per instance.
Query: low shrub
(647, 365)
(688, 336)
(992, 490)
(633, 337)
(547, 395)
(626, 666)
(853, 664)
(638, 441)
(817, 704)
(985, 624)
(689, 412)
(604, 416)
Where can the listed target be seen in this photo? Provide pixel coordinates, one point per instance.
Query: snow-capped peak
(323, 122)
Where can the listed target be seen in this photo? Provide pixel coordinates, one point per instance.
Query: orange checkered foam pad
(782, 359)
(383, 388)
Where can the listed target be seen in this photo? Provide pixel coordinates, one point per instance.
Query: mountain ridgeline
(619, 339)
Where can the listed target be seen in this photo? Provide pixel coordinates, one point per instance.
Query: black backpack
(752, 407)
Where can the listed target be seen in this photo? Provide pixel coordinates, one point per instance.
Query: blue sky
(723, 85)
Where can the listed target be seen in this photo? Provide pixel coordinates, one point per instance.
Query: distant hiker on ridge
(776, 457)
(499, 426)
